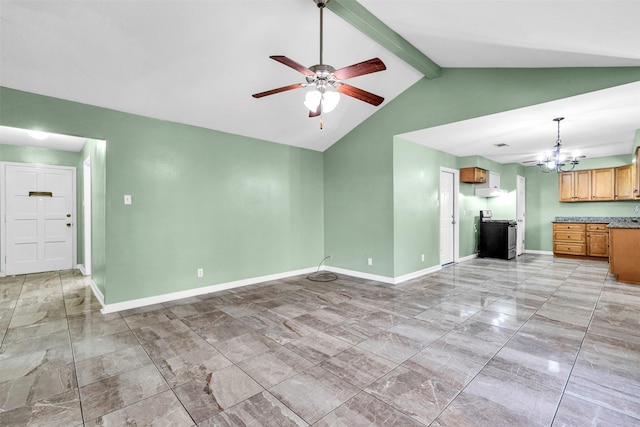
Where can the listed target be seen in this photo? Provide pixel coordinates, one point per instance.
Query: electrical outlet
(201, 272)
(370, 261)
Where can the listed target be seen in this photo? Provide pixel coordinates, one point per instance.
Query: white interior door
(40, 226)
(447, 217)
(520, 208)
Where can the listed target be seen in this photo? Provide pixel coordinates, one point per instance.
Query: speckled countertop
(613, 221)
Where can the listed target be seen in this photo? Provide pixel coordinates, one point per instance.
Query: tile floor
(530, 342)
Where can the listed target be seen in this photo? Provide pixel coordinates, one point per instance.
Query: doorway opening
(449, 227)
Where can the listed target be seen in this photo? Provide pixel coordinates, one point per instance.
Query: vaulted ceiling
(198, 62)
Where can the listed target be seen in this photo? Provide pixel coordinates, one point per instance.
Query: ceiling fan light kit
(555, 161)
(326, 82)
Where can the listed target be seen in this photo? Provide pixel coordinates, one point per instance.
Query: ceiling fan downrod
(321, 5)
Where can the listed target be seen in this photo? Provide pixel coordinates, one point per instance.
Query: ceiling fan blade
(360, 94)
(367, 67)
(293, 64)
(315, 113)
(278, 90)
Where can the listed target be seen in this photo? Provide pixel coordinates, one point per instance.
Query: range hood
(491, 188)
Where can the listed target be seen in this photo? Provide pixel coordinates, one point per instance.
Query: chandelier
(555, 161)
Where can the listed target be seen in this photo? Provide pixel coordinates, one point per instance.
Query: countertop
(613, 221)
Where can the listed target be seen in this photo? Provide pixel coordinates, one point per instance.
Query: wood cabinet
(625, 182)
(569, 239)
(473, 175)
(574, 186)
(597, 237)
(624, 257)
(636, 190)
(603, 184)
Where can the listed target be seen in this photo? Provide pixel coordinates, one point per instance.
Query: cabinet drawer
(568, 236)
(570, 248)
(597, 227)
(568, 226)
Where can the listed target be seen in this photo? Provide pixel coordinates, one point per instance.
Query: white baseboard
(81, 268)
(467, 258)
(173, 296)
(530, 251)
(96, 292)
(383, 279)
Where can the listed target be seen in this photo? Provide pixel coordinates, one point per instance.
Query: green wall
(360, 213)
(235, 206)
(242, 208)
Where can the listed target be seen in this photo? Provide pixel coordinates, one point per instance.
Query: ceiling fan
(327, 81)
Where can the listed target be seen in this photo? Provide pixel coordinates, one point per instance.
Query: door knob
(68, 215)
(68, 224)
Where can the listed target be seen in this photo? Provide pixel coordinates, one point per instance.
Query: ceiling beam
(358, 16)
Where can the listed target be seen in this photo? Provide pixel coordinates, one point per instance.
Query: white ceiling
(198, 62)
(15, 136)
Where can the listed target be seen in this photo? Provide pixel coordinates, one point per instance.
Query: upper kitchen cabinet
(574, 186)
(626, 183)
(605, 184)
(636, 191)
(473, 175)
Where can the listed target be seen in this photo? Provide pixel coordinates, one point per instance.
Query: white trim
(417, 274)
(468, 257)
(82, 269)
(86, 213)
(384, 279)
(96, 292)
(531, 251)
(360, 274)
(141, 302)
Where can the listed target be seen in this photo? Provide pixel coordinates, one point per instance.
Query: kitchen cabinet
(473, 175)
(636, 190)
(597, 238)
(625, 182)
(603, 184)
(624, 256)
(569, 239)
(574, 186)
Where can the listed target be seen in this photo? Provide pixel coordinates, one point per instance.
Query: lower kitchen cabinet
(624, 259)
(581, 239)
(597, 240)
(569, 239)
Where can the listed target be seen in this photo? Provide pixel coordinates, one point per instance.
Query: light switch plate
(127, 199)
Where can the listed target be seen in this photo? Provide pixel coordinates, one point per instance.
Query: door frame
(521, 181)
(456, 215)
(3, 211)
(86, 214)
